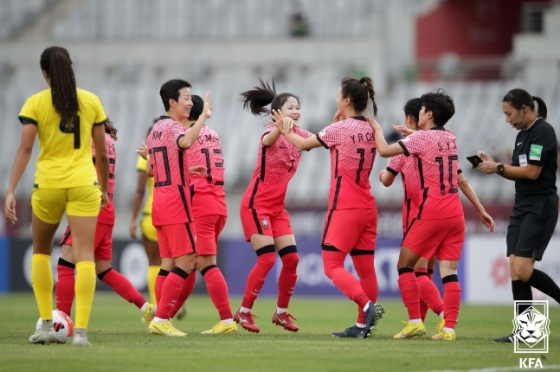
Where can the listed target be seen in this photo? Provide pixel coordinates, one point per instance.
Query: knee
(266, 256)
(289, 256)
(521, 272)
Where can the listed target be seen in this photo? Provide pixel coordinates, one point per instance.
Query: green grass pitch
(120, 342)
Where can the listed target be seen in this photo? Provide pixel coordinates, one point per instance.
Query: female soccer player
(103, 249)
(65, 119)
(535, 211)
(351, 222)
(266, 223)
(149, 236)
(439, 226)
(408, 168)
(171, 208)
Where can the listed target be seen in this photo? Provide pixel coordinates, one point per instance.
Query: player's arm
(387, 177)
(271, 137)
(137, 201)
(468, 191)
(385, 150)
(303, 143)
(511, 172)
(23, 154)
(101, 161)
(186, 141)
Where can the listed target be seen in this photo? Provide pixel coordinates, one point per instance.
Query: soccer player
(65, 119)
(351, 222)
(210, 213)
(439, 227)
(535, 211)
(149, 236)
(408, 168)
(103, 251)
(266, 223)
(171, 208)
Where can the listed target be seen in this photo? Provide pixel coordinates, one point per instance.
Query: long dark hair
(56, 62)
(358, 91)
(262, 95)
(520, 97)
(110, 129)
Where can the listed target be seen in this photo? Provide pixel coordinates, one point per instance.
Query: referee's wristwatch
(500, 169)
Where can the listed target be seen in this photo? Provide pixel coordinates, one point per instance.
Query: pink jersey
(352, 146)
(107, 214)
(276, 165)
(208, 195)
(438, 167)
(172, 199)
(408, 168)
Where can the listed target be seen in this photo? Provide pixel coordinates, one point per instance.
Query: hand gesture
(104, 199)
(132, 229)
(207, 109)
(143, 151)
(374, 124)
(404, 131)
(487, 221)
(10, 207)
(198, 170)
(488, 167)
(485, 156)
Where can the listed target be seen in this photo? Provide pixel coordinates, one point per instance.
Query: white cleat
(80, 338)
(43, 337)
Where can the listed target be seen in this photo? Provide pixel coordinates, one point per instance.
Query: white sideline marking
(499, 369)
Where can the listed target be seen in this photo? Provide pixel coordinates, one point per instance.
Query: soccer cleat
(149, 314)
(440, 325)
(164, 328)
(444, 336)
(43, 337)
(181, 313)
(80, 338)
(285, 320)
(509, 339)
(411, 330)
(373, 313)
(246, 321)
(352, 332)
(221, 328)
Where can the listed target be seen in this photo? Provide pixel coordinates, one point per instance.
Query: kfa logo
(531, 327)
(265, 223)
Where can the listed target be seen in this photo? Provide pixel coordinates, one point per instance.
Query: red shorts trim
(102, 244)
(208, 228)
(176, 240)
(442, 238)
(346, 229)
(258, 222)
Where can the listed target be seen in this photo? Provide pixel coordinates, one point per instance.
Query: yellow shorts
(148, 229)
(50, 204)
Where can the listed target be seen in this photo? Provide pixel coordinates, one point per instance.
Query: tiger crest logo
(531, 327)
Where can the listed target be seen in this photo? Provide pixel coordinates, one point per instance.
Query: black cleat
(352, 332)
(373, 313)
(509, 339)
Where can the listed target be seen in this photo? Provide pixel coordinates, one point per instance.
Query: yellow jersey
(141, 166)
(65, 159)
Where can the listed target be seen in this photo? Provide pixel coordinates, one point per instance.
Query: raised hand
(207, 109)
(143, 151)
(404, 131)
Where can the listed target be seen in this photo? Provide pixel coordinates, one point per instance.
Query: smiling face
(291, 109)
(182, 107)
(515, 118)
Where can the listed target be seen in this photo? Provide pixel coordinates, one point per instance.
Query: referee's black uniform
(535, 211)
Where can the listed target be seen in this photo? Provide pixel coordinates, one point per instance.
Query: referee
(535, 212)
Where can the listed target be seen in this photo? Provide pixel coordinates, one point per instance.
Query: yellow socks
(42, 283)
(152, 276)
(85, 289)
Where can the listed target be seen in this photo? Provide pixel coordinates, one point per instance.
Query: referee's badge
(265, 223)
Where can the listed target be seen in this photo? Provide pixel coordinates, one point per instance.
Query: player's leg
(48, 208)
(430, 297)
(149, 241)
(258, 230)
(82, 209)
(287, 250)
(64, 292)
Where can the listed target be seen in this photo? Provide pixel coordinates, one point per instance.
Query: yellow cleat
(411, 330)
(440, 325)
(221, 328)
(444, 336)
(164, 328)
(149, 314)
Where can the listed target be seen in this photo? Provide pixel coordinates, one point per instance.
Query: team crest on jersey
(265, 223)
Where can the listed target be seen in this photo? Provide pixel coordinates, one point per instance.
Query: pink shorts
(273, 224)
(346, 229)
(176, 240)
(208, 228)
(441, 238)
(102, 245)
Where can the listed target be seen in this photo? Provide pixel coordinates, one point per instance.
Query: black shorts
(531, 226)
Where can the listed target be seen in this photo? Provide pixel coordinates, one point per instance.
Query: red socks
(170, 291)
(410, 292)
(186, 291)
(333, 263)
(365, 267)
(265, 261)
(65, 286)
(122, 286)
(288, 275)
(451, 300)
(160, 279)
(217, 290)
